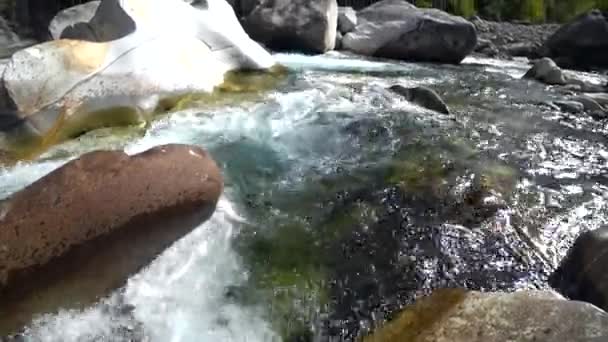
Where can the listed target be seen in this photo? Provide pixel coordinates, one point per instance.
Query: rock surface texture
(460, 316)
(399, 30)
(141, 50)
(582, 274)
(102, 193)
(308, 26)
(422, 96)
(582, 43)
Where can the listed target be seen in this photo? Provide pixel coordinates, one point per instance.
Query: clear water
(314, 237)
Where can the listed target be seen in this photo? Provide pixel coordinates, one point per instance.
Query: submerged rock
(456, 315)
(570, 106)
(399, 30)
(545, 70)
(133, 62)
(301, 25)
(582, 274)
(422, 96)
(97, 195)
(582, 43)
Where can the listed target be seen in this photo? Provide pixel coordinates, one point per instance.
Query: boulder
(347, 19)
(545, 70)
(582, 274)
(10, 42)
(143, 51)
(455, 315)
(422, 96)
(582, 43)
(600, 98)
(99, 194)
(570, 106)
(308, 26)
(66, 21)
(399, 30)
(526, 49)
(591, 106)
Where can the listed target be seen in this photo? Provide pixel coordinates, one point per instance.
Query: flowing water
(344, 202)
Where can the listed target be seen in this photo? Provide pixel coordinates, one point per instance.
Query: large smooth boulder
(456, 315)
(143, 51)
(347, 19)
(308, 26)
(582, 43)
(102, 193)
(582, 274)
(399, 30)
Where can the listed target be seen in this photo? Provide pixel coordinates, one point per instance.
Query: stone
(63, 24)
(144, 51)
(529, 50)
(570, 106)
(339, 37)
(307, 26)
(600, 98)
(10, 42)
(591, 106)
(582, 43)
(455, 315)
(582, 273)
(545, 70)
(399, 30)
(347, 19)
(422, 96)
(99, 194)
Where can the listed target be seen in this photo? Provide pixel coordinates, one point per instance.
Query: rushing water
(344, 202)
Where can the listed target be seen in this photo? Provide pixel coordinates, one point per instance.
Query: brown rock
(100, 193)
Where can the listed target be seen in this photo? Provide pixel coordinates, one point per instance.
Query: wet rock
(301, 25)
(582, 274)
(347, 19)
(545, 70)
(600, 98)
(590, 105)
(422, 96)
(63, 81)
(99, 194)
(525, 49)
(582, 43)
(570, 106)
(399, 30)
(10, 42)
(339, 37)
(456, 315)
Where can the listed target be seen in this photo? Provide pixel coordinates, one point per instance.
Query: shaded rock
(399, 30)
(300, 25)
(600, 98)
(63, 24)
(10, 42)
(339, 37)
(545, 70)
(456, 315)
(525, 49)
(582, 43)
(422, 96)
(582, 274)
(58, 212)
(136, 61)
(570, 106)
(347, 19)
(590, 105)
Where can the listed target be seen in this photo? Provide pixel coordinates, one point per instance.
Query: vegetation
(526, 10)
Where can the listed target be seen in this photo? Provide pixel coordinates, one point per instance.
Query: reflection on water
(344, 202)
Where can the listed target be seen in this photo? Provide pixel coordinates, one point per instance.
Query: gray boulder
(67, 21)
(582, 274)
(422, 96)
(300, 25)
(591, 106)
(455, 315)
(582, 43)
(545, 70)
(399, 30)
(347, 19)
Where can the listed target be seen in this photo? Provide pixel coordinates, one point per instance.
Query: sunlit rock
(459, 316)
(84, 228)
(545, 70)
(142, 51)
(399, 30)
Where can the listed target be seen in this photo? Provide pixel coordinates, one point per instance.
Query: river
(344, 202)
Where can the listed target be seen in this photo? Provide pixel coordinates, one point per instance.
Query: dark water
(343, 203)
